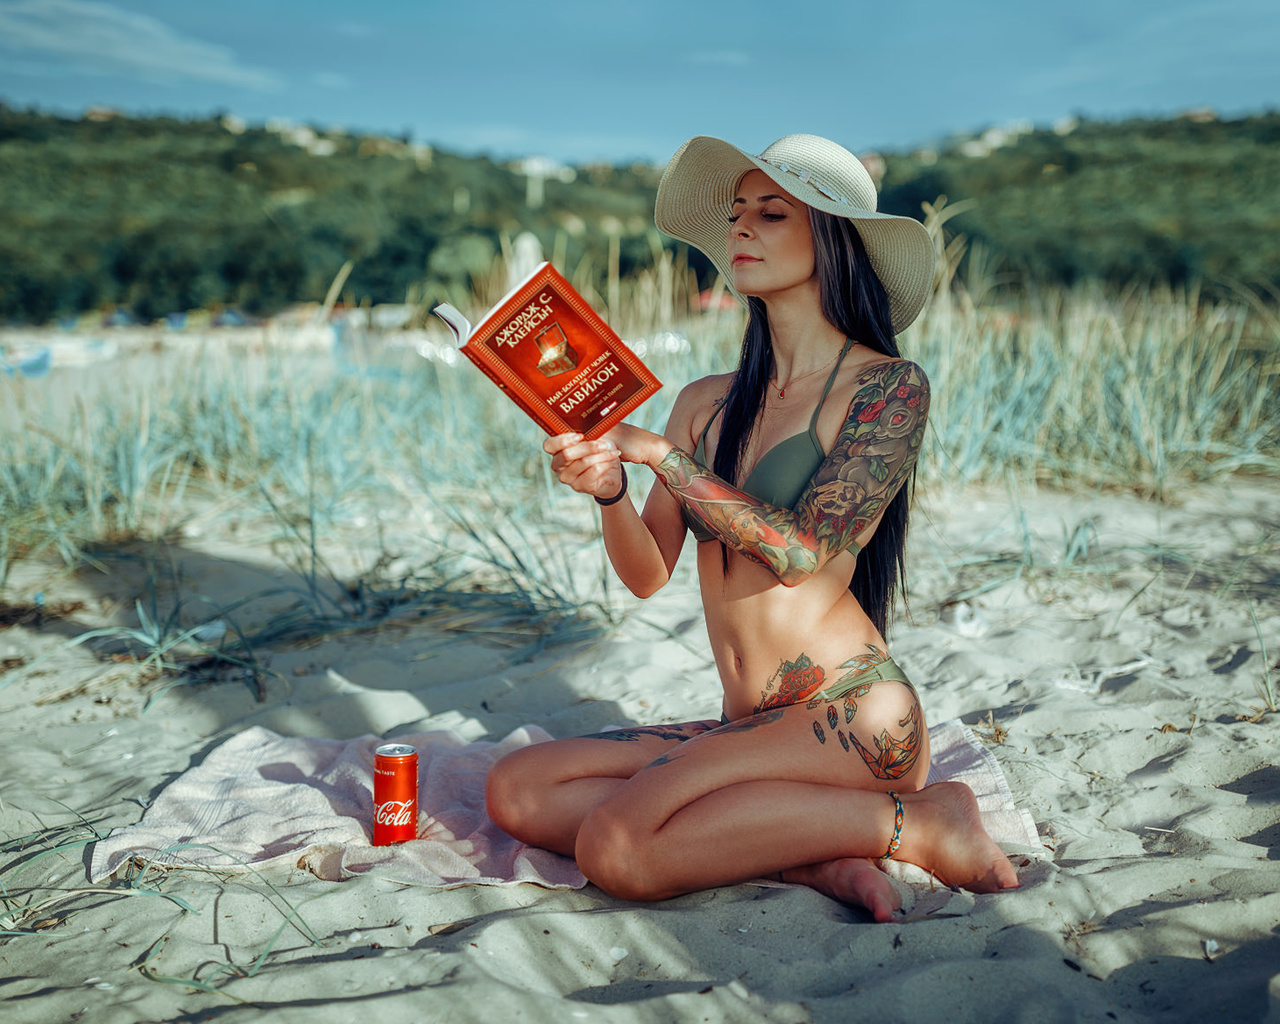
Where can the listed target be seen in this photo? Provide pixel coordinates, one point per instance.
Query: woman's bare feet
(942, 832)
(851, 880)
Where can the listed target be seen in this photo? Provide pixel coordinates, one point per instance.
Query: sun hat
(699, 184)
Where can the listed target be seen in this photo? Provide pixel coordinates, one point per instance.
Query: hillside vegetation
(160, 215)
(1173, 200)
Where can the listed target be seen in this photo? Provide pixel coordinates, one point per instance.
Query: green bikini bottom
(881, 672)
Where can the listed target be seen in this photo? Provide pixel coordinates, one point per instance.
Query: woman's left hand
(639, 446)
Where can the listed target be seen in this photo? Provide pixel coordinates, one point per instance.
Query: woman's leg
(541, 794)
(785, 789)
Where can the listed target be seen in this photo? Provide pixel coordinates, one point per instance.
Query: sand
(1109, 678)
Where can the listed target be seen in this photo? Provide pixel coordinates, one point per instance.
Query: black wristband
(622, 491)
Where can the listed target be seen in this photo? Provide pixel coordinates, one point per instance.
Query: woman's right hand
(589, 467)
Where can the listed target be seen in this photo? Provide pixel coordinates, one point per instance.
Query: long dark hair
(854, 302)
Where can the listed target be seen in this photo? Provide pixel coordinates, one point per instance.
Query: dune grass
(32, 907)
(1140, 390)
(1143, 389)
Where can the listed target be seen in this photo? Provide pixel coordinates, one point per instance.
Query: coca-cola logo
(394, 812)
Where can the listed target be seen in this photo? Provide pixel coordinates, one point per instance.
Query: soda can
(395, 794)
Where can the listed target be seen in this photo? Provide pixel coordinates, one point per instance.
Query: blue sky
(618, 81)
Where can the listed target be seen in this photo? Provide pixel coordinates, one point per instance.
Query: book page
(458, 323)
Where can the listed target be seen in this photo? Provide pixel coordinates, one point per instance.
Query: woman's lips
(743, 258)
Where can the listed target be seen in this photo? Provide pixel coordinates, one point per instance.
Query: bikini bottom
(856, 685)
(881, 672)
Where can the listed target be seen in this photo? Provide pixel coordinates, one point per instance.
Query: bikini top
(784, 471)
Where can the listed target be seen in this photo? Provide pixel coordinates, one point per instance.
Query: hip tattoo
(803, 680)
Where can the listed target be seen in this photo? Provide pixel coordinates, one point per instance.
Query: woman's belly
(775, 645)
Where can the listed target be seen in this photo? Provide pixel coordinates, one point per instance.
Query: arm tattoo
(868, 464)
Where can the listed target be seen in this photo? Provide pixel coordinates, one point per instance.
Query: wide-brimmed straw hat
(699, 184)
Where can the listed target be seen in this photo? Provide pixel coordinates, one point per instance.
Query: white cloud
(99, 38)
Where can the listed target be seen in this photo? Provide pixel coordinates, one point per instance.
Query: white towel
(262, 800)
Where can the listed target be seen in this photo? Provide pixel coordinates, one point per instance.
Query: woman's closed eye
(763, 216)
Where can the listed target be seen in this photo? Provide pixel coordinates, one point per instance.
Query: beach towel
(261, 800)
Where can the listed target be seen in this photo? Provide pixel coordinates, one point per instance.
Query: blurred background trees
(1192, 198)
(160, 215)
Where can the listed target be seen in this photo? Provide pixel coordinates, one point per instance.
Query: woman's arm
(643, 547)
(869, 462)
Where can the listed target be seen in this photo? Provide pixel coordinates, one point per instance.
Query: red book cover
(554, 355)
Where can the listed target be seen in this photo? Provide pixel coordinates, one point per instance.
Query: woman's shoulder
(697, 402)
(885, 371)
(712, 388)
(877, 384)
(699, 398)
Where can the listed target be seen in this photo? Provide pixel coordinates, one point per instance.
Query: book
(554, 356)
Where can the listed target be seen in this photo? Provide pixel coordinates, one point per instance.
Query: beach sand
(1110, 660)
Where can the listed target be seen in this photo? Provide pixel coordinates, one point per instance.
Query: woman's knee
(612, 852)
(509, 796)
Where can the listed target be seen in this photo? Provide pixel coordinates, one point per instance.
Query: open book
(550, 351)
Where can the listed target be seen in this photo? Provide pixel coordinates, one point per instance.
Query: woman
(785, 471)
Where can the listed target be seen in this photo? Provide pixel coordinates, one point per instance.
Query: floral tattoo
(850, 694)
(793, 682)
(802, 680)
(866, 467)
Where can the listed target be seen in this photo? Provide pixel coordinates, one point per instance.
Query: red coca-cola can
(395, 794)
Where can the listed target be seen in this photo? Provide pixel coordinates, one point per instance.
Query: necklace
(782, 391)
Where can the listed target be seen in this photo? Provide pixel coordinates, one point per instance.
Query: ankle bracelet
(897, 826)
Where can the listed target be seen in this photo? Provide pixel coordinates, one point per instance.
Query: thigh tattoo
(679, 733)
(804, 680)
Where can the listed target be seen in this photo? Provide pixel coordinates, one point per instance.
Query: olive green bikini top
(784, 471)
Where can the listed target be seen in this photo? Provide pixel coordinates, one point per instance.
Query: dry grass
(1141, 389)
